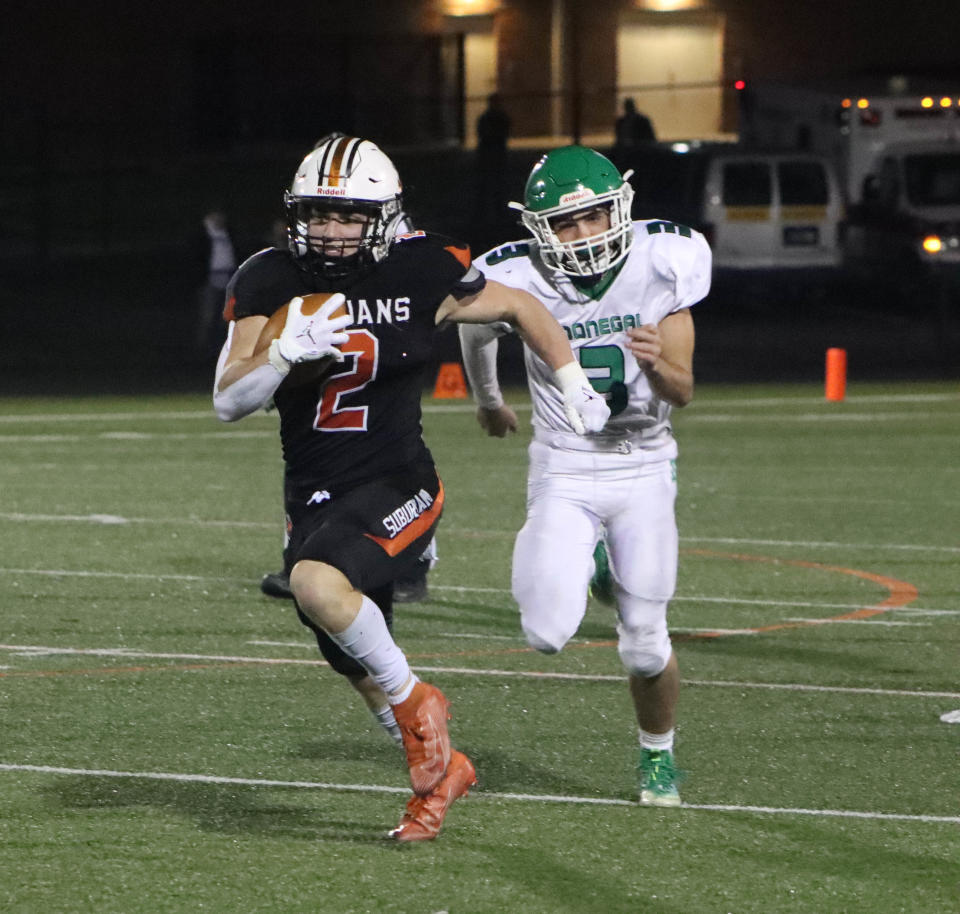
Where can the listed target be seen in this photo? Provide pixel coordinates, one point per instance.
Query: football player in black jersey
(361, 489)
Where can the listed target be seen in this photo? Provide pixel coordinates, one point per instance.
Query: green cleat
(601, 584)
(658, 778)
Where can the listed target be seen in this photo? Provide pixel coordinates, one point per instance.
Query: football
(306, 372)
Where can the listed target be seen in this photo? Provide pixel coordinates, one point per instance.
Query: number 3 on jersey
(363, 349)
(603, 365)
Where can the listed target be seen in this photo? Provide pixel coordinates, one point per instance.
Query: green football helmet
(568, 180)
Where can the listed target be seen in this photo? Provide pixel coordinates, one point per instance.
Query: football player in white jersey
(622, 290)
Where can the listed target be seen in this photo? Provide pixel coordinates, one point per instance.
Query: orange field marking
(900, 592)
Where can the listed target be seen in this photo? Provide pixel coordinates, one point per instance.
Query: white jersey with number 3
(667, 270)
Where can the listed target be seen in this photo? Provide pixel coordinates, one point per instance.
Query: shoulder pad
(682, 256)
(457, 249)
(460, 253)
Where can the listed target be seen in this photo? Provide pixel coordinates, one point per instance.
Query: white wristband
(570, 377)
(277, 360)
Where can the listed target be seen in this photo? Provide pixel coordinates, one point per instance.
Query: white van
(761, 211)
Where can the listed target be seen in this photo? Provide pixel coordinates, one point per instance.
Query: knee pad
(644, 650)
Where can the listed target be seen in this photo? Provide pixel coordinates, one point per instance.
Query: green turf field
(171, 743)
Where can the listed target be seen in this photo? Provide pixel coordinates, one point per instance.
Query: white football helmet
(344, 174)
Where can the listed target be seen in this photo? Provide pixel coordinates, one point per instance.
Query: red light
(740, 85)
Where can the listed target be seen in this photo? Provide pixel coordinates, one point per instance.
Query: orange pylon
(451, 385)
(836, 375)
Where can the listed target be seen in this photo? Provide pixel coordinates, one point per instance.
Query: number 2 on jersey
(364, 347)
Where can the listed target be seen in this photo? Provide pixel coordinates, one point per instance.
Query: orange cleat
(424, 815)
(422, 719)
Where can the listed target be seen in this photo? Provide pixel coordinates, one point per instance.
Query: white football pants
(570, 496)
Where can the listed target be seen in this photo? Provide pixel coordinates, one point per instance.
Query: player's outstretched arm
(497, 302)
(585, 409)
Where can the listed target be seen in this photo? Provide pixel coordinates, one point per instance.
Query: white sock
(387, 720)
(661, 741)
(368, 640)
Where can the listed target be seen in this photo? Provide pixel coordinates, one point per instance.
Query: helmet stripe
(343, 145)
(354, 152)
(323, 167)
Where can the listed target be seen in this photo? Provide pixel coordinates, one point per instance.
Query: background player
(361, 489)
(622, 291)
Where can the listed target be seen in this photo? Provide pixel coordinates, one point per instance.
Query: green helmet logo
(564, 182)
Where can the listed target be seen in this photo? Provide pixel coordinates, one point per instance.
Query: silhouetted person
(493, 131)
(632, 128)
(215, 259)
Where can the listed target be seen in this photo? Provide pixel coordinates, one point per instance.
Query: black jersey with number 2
(363, 419)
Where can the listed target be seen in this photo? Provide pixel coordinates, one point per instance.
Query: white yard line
(700, 598)
(39, 650)
(776, 686)
(478, 793)
(801, 687)
(814, 544)
(456, 588)
(704, 417)
(702, 404)
(452, 530)
(818, 418)
(200, 414)
(123, 575)
(20, 517)
(865, 398)
(849, 622)
(132, 436)
(136, 416)
(713, 630)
